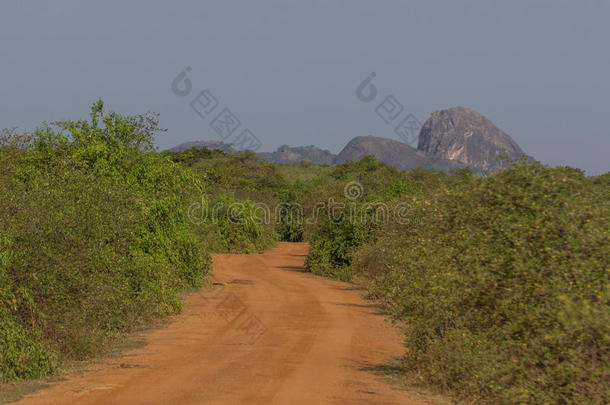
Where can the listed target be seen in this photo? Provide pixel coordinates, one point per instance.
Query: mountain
(449, 139)
(287, 154)
(225, 147)
(283, 154)
(466, 137)
(393, 153)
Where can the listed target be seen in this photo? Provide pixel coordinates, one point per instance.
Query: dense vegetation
(500, 281)
(95, 237)
(240, 187)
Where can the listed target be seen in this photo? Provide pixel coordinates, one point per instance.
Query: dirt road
(266, 333)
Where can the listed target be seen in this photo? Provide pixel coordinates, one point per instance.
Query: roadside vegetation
(500, 281)
(238, 187)
(95, 238)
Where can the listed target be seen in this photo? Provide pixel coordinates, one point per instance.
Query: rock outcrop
(466, 137)
(393, 153)
(449, 139)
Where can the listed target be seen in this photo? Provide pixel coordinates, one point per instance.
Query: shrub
(502, 285)
(95, 239)
(228, 224)
(290, 221)
(501, 281)
(236, 213)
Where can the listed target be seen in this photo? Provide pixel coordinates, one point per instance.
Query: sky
(288, 70)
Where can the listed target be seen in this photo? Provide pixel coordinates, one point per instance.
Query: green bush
(23, 354)
(227, 224)
(332, 248)
(336, 234)
(95, 239)
(291, 221)
(501, 281)
(236, 214)
(95, 233)
(502, 285)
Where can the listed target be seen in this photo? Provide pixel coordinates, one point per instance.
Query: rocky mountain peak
(467, 137)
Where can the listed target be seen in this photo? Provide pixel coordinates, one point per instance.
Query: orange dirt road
(266, 333)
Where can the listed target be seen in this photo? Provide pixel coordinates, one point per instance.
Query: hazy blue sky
(289, 69)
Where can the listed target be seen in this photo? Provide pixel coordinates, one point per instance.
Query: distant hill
(452, 138)
(283, 154)
(225, 147)
(467, 137)
(449, 139)
(393, 153)
(287, 154)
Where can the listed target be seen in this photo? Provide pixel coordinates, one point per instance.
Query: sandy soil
(266, 333)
